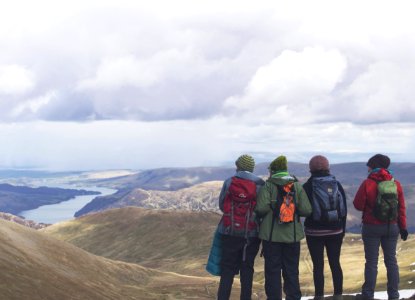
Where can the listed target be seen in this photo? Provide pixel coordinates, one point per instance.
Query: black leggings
(316, 246)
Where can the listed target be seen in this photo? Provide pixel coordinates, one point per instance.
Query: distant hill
(15, 199)
(37, 266)
(190, 189)
(177, 178)
(167, 179)
(179, 240)
(199, 197)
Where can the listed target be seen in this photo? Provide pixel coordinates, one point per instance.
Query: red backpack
(238, 207)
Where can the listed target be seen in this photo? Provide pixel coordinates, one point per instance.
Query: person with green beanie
(238, 228)
(281, 235)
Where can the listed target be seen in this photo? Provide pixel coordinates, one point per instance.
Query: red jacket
(366, 197)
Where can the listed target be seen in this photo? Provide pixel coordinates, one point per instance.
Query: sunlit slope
(200, 197)
(180, 241)
(171, 240)
(35, 266)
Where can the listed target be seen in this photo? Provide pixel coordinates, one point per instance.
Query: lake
(65, 210)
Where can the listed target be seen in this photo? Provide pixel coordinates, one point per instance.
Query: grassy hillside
(180, 241)
(37, 266)
(170, 240)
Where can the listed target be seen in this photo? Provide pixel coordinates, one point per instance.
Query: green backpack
(386, 206)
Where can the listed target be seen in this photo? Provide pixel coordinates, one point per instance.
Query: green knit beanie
(245, 162)
(279, 164)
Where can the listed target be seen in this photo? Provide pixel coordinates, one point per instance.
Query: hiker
(238, 228)
(380, 198)
(281, 202)
(325, 228)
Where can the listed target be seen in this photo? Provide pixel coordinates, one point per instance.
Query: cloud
(15, 80)
(123, 72)
(31, 106)
(141, 145)
(218, 78)
(292, 86)
(132, 61)
(383, 93)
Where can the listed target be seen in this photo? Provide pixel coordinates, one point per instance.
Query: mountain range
(198, 188)
(150, 240)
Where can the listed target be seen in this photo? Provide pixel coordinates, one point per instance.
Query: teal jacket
(267, 201)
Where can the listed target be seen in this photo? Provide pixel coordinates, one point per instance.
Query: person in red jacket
(377, 233)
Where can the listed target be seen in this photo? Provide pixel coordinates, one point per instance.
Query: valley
(180, 241)
(37, 266)
(151, 239)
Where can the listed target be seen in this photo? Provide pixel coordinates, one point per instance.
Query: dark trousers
(282, 259)
(232, 262)
(375, 236)
(333, 244)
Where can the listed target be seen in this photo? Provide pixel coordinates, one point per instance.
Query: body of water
(65, 210)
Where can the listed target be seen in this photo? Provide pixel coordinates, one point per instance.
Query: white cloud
(207, 75)
(15, 79)
(384, 93)
(32, 106)
(292, 86)
(122, 72)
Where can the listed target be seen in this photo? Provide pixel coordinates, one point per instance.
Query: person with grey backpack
(325, 228)
(380, 197)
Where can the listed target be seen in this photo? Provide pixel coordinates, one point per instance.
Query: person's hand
(404, 234)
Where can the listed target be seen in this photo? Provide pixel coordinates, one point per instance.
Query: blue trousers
(374, 236)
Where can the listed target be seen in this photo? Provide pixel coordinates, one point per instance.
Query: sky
(121, 84)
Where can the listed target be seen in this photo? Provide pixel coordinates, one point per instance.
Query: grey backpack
(328, 203)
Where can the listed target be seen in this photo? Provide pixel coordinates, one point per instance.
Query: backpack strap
(275, 211)
(274, 216)
(295, 211)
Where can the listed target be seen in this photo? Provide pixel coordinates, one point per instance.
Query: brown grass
(180, 241)
(37, 266)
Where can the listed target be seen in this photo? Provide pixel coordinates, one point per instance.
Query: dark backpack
(328, 202)
(386, 205)
(238, 207)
